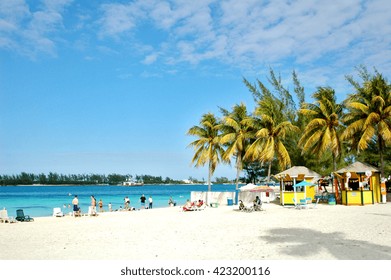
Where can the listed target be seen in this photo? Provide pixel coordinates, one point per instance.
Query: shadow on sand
(308, 244)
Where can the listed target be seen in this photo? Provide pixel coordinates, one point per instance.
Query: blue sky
(113, 86)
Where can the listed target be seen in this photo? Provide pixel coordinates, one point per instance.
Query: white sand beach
(330, 232)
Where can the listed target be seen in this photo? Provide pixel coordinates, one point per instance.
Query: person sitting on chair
(241, 205)
(199, 203)
(257, 204)
(188, 206)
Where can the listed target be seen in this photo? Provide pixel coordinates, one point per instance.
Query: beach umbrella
(248, 187)
(303, 184)
(265, 192)
(262, 189)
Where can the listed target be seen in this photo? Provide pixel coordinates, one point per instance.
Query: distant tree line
(80, 179)
(150, 180)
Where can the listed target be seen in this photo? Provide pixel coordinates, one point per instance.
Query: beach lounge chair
(92, 211)
(248, 208)
(197, 206)
(295, 203)
(303, 203)
(21, 217)
(214, 204)
(57, 212)
(186, 208)
(4, 218)
(258, 207)
(244, 208)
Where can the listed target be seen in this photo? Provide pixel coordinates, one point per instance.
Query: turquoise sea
(39, 201)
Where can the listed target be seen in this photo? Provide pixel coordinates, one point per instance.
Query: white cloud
(119, 18)
(29, 32)
(242, 34)
(56, 5)
(13, 11)
(149, 59)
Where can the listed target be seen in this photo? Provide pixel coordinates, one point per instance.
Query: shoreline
(330, 232)
(106, 185)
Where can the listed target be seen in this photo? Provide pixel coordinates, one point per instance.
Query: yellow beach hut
(292, 176)
(360, 184)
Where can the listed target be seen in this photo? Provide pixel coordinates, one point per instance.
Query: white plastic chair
(57, 212)
(297, 206)
(303, 203)
(4, 218)
(92, 211)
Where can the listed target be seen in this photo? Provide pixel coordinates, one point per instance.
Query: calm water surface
(39, 201)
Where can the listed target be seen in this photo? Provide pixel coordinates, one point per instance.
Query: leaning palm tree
(369, 116)
(235, 135)
(272, 129)
(322, 134)
(208, 148)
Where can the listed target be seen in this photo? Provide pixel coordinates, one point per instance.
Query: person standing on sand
(110, 208)
(93, 201)
(100, 203)
(75, 203)
(127, 203)
(142, 200)
(150, 202)
(93, 204)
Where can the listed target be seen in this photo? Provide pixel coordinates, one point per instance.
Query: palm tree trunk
(334, 184)
(269, 171)
(210, 176)
(237, 177)
(334, 163)
(238, 169)
(381, 154)
(209, 179)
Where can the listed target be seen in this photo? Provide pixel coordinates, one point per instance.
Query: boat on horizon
(132, 184)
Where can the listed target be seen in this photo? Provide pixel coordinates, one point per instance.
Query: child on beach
(127, 203)
(100, 205)
(142, 200)
(171, 202)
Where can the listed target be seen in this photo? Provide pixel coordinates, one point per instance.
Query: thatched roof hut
(360, 184)
(358, 167)
(288, 178)
(295, 171)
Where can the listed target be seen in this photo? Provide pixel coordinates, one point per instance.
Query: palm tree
(208, 148)
(322, 132)
(272, 128)
(235, 135)
(369, 115)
